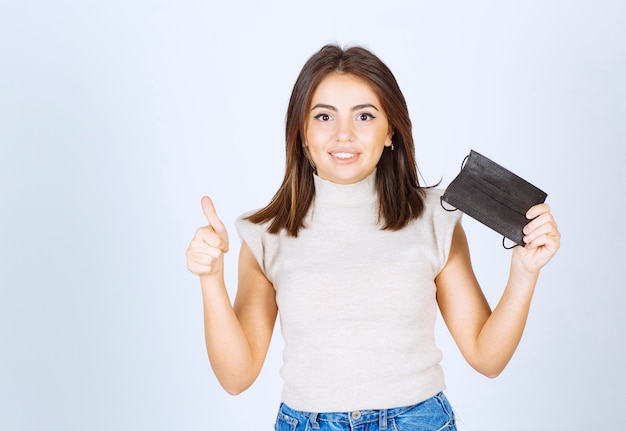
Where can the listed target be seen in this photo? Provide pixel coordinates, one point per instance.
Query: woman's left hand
(542, 239)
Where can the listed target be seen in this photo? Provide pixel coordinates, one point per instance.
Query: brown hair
(399, 193)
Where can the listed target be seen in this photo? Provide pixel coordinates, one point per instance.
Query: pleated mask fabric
(493, 195)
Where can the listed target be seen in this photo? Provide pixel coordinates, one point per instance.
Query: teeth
(343, 155)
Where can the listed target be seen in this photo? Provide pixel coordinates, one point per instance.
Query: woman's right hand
(205, 254)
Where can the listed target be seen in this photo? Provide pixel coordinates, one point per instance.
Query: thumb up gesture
(205, 254)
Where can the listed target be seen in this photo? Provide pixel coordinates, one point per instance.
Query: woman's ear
(305, 147)
(389, 139)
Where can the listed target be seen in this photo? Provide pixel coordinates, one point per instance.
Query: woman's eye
(365, 116)
(323, 117)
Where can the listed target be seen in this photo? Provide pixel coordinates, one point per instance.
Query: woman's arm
(237, 337)
(488, 339)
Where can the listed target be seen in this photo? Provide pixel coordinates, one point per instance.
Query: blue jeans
(434, 414)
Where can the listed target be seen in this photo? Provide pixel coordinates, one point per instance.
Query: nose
(345, 131)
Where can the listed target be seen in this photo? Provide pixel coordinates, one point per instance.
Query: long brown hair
(400, 197)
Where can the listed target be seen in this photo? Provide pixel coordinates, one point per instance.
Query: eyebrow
(354, 108)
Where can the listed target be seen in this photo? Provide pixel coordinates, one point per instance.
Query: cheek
(384, 137)
(317, 137)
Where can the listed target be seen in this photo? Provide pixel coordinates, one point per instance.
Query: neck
(328, 193)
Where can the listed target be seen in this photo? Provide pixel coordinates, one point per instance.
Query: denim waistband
(356, 417)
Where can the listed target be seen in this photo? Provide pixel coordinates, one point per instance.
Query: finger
(543, 233)
(537, 210)
(201, 269)
(207, 241)
(549, 243)
(540, 220)
(211, 215)
(208, 209)
(206, 238)
(542, 224)
(204, 258)
(545, 229)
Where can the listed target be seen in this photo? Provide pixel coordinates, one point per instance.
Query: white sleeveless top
(356, 303)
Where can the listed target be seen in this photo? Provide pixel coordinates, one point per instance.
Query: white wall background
(115, 118)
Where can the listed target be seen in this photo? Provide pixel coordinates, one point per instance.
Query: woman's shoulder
(255, 231)
(242, 222)
(433, 208)
(432, 198)
(432, 193)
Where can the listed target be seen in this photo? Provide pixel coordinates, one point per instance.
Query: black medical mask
(494, 196)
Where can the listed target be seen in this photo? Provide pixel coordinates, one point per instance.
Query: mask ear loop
(441, 197)
(463, 162)
(508, 248)
(449, 210)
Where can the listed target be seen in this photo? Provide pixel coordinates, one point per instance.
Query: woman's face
(346, 129)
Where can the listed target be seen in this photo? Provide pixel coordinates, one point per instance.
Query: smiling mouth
(343, 155)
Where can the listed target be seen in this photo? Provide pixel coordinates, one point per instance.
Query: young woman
(355, 256)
